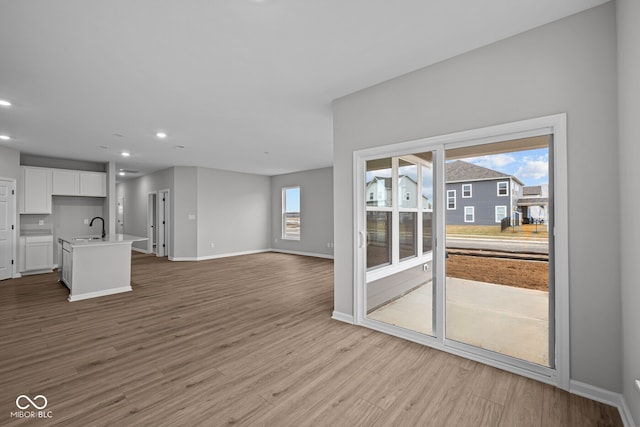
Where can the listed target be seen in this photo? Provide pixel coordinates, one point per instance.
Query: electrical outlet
(212, 245)
(86, 222)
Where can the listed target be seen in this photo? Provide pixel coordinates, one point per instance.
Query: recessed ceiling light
(179, 147)
(104, 147)
(5, 137)
(125, 154)
(161, 135)
(5, 103)
(121, 173)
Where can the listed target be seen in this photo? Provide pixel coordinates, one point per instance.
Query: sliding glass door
(455, 248)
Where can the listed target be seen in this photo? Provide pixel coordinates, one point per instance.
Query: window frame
(496, 213)
(454, 200)
(470, 191)
(473, 214)
(284, 234)
(506, 193)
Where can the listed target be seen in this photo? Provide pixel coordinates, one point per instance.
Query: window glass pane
(427, 188)
(291, 213)
(407, 184)
(427, 232)
(408, 227)
(378, 183)
(378, 239)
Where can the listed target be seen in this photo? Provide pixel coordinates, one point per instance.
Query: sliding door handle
(360, 239)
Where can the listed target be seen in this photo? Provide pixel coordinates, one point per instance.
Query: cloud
(533, 168)
(494, 161)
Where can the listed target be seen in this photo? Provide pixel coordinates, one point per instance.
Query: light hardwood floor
(244, 341)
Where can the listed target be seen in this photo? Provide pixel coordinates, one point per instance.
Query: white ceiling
(243, 85)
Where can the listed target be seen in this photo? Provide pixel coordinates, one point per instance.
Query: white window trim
(455, 205)
(498, 188)
(555, 125)
(470, 191)
(495, 217)
(473, 214)
(284, 235)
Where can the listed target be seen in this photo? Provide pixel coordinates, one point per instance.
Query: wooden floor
(244, 341)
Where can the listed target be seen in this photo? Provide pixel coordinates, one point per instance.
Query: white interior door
(6, 229)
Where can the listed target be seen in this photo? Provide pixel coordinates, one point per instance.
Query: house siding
(484, 198)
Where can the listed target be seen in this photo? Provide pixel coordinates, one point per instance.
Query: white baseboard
(204, 258)
(284, 251)
(347, 318)
(144, 251)
(604, 396)
(106, 292)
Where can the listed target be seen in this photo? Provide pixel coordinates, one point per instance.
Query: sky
(292, 199)
(530, 166)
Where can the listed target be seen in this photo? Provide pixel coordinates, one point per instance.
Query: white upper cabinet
(66, 182)
(93, 184)
(36, 197)
(79, 183)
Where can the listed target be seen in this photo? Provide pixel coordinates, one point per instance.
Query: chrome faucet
(101, 219)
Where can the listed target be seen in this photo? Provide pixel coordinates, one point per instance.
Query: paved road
(507, 245)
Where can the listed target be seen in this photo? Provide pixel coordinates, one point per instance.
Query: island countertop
(109, 239)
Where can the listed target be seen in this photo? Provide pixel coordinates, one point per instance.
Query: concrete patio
(504, 319)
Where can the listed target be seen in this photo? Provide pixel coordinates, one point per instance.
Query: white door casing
(7, 231)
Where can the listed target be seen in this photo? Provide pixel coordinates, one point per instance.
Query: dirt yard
(510, 272)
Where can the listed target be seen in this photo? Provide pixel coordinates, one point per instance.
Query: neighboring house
(378, 192)
(534, 203)
(476, 195)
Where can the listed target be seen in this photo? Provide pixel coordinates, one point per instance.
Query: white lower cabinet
(38, 253)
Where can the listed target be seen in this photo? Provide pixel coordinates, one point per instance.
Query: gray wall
(628, 14)
(233, 212)
(135, 193)
(68, 215)
(9, 163)
(184, 206)
(316, 206)
(566, 66)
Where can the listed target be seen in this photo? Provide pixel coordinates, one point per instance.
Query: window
(501, 213)
(503, 188)
(291, 213)
(466, 191)
(451, 199)
(469, 214)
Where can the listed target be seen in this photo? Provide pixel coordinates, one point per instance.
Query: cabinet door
(66, 182)
(93, 184)
(67, 267)
(36, 190)
(39, 254)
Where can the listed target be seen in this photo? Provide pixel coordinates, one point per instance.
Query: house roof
(534, 201)
(532, 190)
(464, 171)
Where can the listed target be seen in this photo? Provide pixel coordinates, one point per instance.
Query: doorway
(423, 223)
(163, 203)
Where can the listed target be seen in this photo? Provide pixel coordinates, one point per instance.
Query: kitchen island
(94, 266)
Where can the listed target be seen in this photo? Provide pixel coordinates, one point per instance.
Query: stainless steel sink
(87, 238)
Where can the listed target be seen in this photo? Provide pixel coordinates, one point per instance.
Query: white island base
(95, 268)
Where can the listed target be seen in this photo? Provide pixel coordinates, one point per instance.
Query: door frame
(554, 125)
(14, 232)
(164, 216)
(152, 198)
